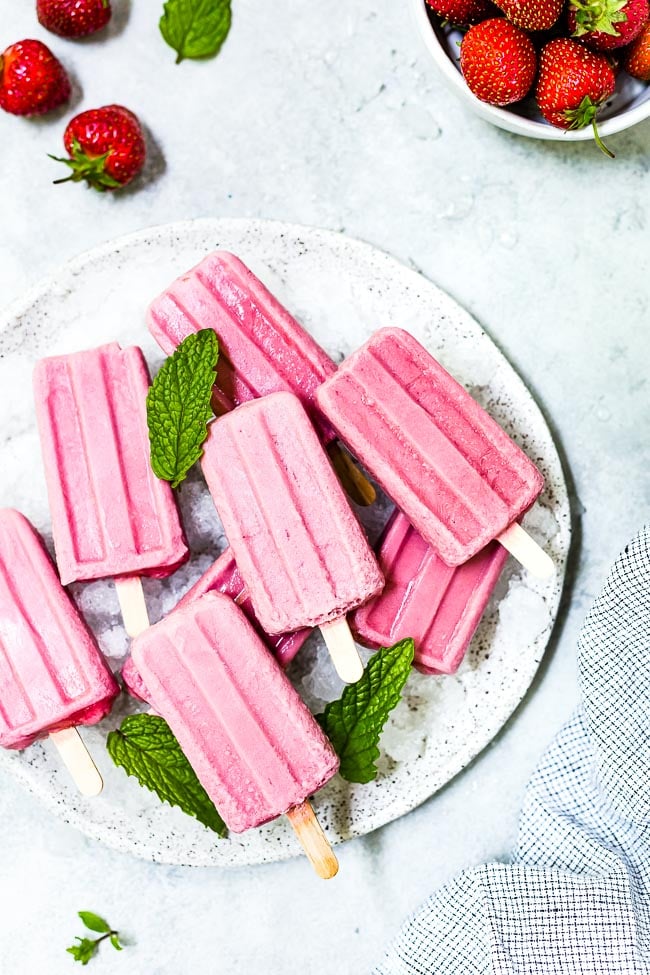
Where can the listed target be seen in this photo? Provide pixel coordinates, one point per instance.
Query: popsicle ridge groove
(244, 738)
(120, 447)
(472, 478)
(83, 541)
(263, 734)
(106, 445)
(443, 410)
(271, 319)
(443, 497)
(269, 521)
(44, 655)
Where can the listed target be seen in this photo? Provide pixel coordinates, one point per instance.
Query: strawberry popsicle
(111, 515)
(452, 470)
(439, 606)
(223, 576)
(250, 739)
(262, 348)
(52, 675)
(298, 545)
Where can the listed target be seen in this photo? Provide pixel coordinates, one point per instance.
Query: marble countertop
(331, 115)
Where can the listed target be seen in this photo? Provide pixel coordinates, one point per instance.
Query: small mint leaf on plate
(145, 747)
(355, 722)
(195, 28)
(94, 922)
(178, 406)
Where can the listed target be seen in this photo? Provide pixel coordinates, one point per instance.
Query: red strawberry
(106, 148)
(607, 24)
(637, 58)
(32, 81)
(532, 14)
(73, 18)
(572, 83)
(462, 11)
(498, 61)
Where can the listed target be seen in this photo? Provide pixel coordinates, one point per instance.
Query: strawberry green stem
(599, 142)
(599, 16)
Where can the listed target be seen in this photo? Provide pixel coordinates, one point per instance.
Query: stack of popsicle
(298, 559)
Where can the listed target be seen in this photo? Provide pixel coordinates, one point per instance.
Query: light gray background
(330, 114)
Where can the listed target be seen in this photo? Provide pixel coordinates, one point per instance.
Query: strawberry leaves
(195, 28)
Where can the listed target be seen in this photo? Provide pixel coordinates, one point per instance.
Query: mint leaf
(354, 723)
(84, 951)
(145, 747)
(87, 949)
(195, 28)
(178, 406)
(94, 922)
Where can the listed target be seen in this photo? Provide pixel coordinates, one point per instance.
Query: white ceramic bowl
(629, 105)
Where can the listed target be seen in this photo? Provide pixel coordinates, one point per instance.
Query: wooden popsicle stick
(78, 761)
(313, 840)
(353, 480)
(526, 550)
(343, 650)
(132, 605)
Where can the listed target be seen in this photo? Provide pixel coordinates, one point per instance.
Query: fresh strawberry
(498, 61)
(462, 11)
(106, 148)
(605, 25)
(637, 57)
(73, 18)
(532, 14)
(32, 81)
(571, 85)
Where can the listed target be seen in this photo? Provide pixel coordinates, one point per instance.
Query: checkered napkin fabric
(576, 898)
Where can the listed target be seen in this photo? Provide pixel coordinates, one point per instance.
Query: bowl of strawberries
(549, 69)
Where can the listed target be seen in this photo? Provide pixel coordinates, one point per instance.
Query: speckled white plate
(342, 290)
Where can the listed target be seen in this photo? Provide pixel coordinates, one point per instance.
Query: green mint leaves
(145, 747)
(354, 723)
(87, 947)
(195, 28)
(178, 406)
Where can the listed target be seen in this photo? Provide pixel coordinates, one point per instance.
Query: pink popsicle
(52, 675)
(439, 606)
(298, 545)
(223, 576)
(111, 515)
(451, 469)
(263, 349)
(250, 739)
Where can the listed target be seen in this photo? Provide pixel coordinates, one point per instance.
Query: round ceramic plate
(341, 289)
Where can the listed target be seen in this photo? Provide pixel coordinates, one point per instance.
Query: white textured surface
(448, 720)
(330, 114)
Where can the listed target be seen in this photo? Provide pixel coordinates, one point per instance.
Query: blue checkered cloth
(575, 899)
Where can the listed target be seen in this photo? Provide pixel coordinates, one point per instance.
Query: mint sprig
(145, 747)
(195, 28)
(178, 406)
(87, 947)
(355, 722)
